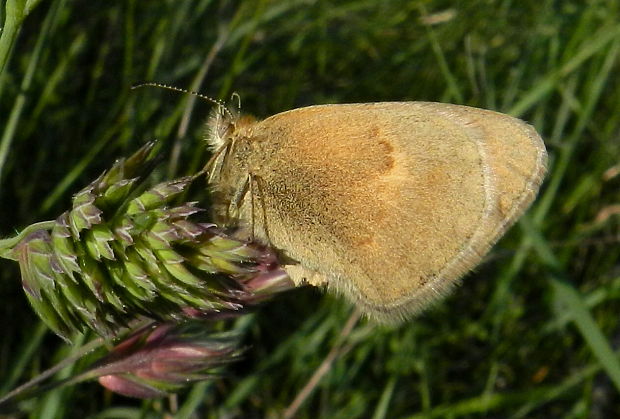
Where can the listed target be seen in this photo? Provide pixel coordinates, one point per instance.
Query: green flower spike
(124, 252)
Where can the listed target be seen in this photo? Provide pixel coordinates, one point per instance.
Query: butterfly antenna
(190, 92)
(235, 96)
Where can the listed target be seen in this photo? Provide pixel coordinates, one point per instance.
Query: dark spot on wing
(385, 160)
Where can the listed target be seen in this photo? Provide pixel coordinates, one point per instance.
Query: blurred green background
(533, 332)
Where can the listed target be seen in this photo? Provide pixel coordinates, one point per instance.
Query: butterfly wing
(390, 203)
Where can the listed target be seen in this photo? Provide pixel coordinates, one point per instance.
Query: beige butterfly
(387, 203)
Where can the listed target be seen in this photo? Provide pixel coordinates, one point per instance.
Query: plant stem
(27, 389)
(12, 22)
(337, 350)
(15, 12)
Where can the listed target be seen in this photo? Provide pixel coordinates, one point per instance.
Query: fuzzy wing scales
(390, 203)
